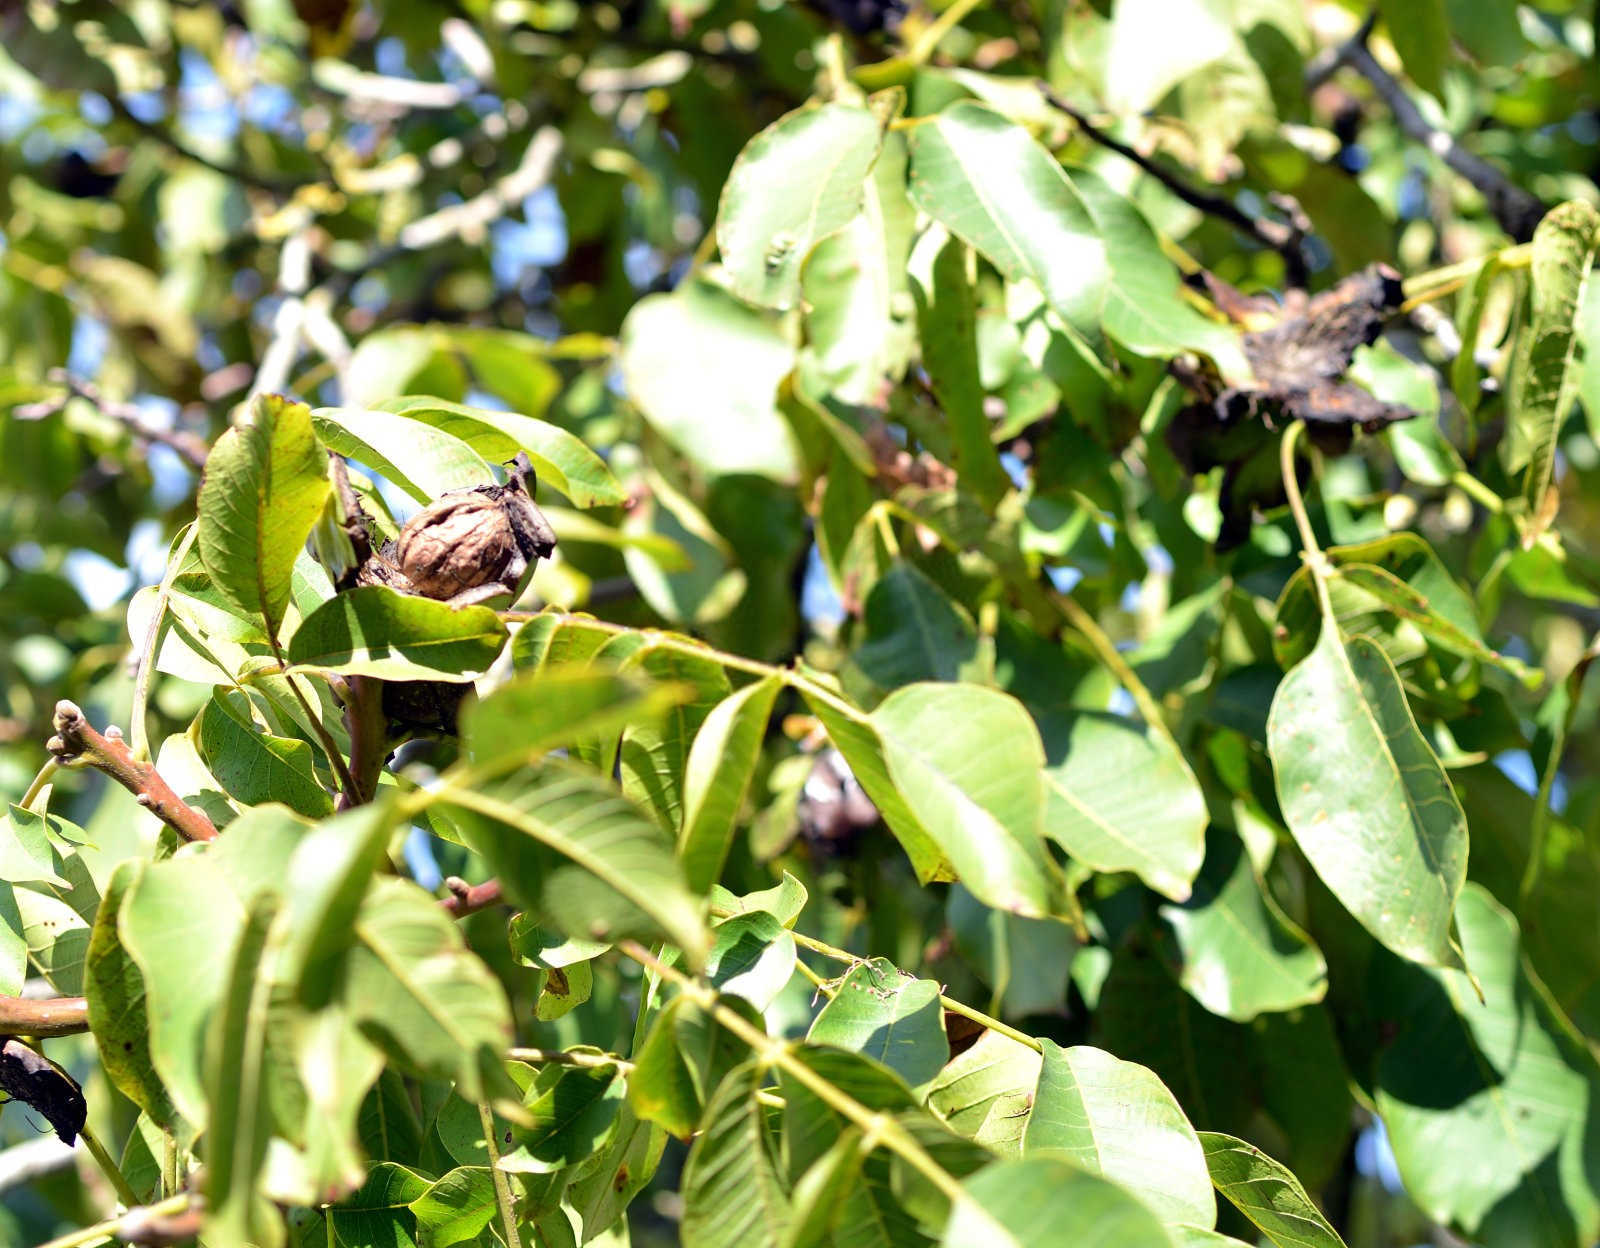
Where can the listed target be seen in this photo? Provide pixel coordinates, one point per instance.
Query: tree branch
(240, 173)
(187, 446)
(53, 1016)
(1518, 211)
(1284, 239)
(77, 744)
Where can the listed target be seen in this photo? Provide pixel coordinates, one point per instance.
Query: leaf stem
(40, 781)
(347, 782)
(108, 1167)
(1315, 560)
(923, 46)
(502, 1185)
(1106, 651)
(949, 1003)
(565, 1057)
(778, 1054)
(1436, 283)
(152, 641)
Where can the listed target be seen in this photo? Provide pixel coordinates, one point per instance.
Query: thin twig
(240, 173)
(1518, 211)
(54, 1016)
(77, 744)
(468, 899)
(1284, 239)
(127, 1225)
(188, 447)
(561, 1057)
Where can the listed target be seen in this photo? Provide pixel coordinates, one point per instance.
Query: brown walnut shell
(457, 543)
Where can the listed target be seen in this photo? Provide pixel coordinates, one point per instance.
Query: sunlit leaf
(376, 631)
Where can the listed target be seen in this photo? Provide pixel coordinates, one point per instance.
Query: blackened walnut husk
(36, 1081)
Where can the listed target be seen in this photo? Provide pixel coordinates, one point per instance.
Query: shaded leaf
(375, 631)
(883, 1013)
(255, 766)
(1044, 1203)
(732, 1197)
(752, 956)
(1266, 1193)
(721, 764)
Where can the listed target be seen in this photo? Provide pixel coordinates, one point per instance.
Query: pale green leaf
(1117, 1119)
(721, 764)
(1121, 798)
(968, 761)
(705, 371)
(731, 1194)
(752, 956)
(985, 1093)
(1266, 1193)
(423, 461)
(894, 1018)
(1366, 798)
(264, 487)
(1240, 954)
(1044, 1203)
(254, 766)
(795, 183)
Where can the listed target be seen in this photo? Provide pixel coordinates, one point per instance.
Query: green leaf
(118, 1009)
(419, 993)
(604, 1192)
(1026, 963)
(1097, 261)
(423, 461)
(721, 764)
(566, 843)
(683, 1061)
(1490, 1105)
(654, 757)
(784, 901)
(855, 736)
(985, 1093)
(540, 711)
(236, 1075)
(752, 956)
(822, 1190)
(336, 1067)
(457, 1208)
(255, 766)
(1117, 1119)
(1547, 379)
(914, 631)
(856, 291)
(948, 329)
(731, 1194)
(1241, 955)
(571, 1110)
(264, 487)
(795, 183)
(1465, 375)
(967, 760)
(560, 459)
(1399, 576)
(376, 631)
(327, 878)
(1143, 306)
(1420, 31)
(1366, 799)
(704, 370)
(1120, 798)
(889, 1016)
(197, 902)
(377, 1216)
(1044, 1203)
(1266, 1193)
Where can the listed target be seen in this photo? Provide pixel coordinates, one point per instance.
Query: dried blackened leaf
(1317, 343)
(35, 1080)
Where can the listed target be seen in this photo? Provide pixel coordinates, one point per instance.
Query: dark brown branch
(1518, 211)
(77, 744)
(239, 173)
(187, 446)
(468, 899)
(53, 1016)
(1284, 239)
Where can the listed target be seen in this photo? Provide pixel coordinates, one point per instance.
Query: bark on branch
(1285, 239)
(78, 744)
(54, 1016)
